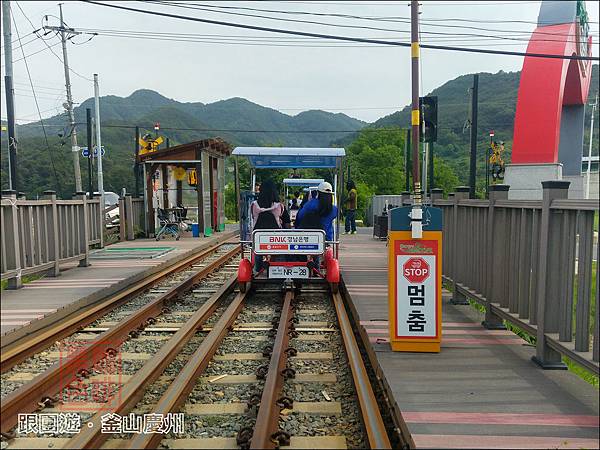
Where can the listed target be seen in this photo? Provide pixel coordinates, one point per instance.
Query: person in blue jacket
(319, 212)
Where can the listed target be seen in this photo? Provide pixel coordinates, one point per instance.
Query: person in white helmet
(319, 212)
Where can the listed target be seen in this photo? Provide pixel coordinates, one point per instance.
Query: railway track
(263, 369)
(39, 379)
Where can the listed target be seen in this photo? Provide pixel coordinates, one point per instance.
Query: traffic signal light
(428, 127)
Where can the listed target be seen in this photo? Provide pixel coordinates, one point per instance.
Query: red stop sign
(415, 270)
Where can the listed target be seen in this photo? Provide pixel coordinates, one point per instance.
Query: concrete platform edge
(101, 294)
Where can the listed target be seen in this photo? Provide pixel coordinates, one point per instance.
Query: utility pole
(88, 117)
(431, 183)
(136, 167)
(98, 140)
(473, 165)
(69, 104)
(10, 97)
(417, 212)
(407, 160)
(425, 169)
(587, 183)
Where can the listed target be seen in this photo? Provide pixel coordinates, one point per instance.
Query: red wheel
(333, 271)
(244, 272)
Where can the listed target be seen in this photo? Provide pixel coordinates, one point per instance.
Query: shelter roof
(291, 157)
(187, 152)
(310, 182)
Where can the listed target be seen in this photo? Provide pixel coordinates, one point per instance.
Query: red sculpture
(549, 87)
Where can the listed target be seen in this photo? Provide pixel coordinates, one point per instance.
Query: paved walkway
(482, 390)
(107, 274)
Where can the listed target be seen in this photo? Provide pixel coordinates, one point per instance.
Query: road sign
(415, 282)
(86, 153)
(415, 270)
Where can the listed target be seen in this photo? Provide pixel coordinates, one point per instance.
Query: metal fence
(530, 263)
(38, 235)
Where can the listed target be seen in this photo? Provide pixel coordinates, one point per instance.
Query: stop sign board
(416, 270)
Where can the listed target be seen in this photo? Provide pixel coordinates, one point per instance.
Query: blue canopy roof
(290, 157)
(310, 182)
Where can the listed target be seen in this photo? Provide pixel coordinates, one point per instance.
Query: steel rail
(179, 389)
(376, 432)
(23, 348)
(267, 419)
(50, 382)
(132, 391)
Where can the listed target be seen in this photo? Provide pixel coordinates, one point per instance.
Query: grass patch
(26, 279)
(573, 367)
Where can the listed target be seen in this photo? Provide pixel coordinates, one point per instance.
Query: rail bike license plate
(288, 272)
(288, 242)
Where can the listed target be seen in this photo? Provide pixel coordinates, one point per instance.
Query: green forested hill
(497, 105)
(497, 102)
(38, 163)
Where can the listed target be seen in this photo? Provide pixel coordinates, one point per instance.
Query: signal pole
(407, 148)
(473, 165)
(98, 140)
(589, 166)
(69, 104)
(10, 97)
(417, 212)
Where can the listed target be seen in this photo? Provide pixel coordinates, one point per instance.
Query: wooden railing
(530, 263)
(39, 235)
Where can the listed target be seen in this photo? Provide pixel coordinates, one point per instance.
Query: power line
(343, 38)
(49, 47)
(393, 19)
(265, 41)
(58, 187)
(188, 6)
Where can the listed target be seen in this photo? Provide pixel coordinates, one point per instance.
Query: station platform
(482, 390)
(111, 269)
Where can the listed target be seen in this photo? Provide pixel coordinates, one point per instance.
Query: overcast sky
(286, 73)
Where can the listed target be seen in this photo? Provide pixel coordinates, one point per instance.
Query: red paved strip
(502, 442)
(26, 310)
(79, 280)
(474, 341)
(453, 332)
(69, 286)
(384, 323)
(483, 418)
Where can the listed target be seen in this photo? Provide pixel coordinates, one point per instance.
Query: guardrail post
(492, 321)
(53, 244)
(122, 219)
(129, 217)
(100, 219)
(436, 194)
(84, 232)
(458, 257)
(12, 239)
(545, 356)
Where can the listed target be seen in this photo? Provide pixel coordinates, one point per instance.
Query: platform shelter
(198, 166)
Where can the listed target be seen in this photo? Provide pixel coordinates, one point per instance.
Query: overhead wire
(435, 33)
(50, 153)
(393, 19)
(49, 47)
(342, 38)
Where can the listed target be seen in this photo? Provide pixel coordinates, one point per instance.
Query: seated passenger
(266, 209)
(319, 212)
(267, 213)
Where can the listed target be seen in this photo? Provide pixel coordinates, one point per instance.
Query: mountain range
(242, 122)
